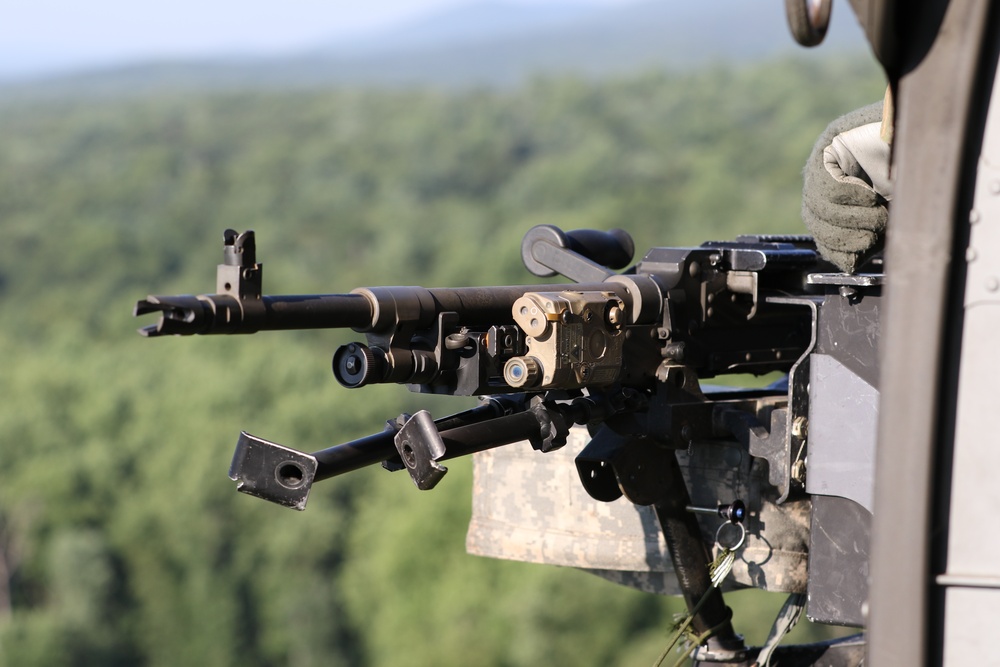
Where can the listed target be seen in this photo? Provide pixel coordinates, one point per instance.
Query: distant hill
(664, 31)
(467, 24)
(493, 44)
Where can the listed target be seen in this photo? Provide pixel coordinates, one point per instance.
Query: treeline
(121, 540)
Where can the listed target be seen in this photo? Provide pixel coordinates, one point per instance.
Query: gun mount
(624, 354)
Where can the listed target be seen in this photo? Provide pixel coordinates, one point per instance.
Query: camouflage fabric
(531, 507)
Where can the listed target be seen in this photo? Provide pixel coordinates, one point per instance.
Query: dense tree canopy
(121, 540)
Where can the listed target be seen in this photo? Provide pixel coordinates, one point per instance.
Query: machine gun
(623, 354)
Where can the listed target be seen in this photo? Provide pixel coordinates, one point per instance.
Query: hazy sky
(41, 34)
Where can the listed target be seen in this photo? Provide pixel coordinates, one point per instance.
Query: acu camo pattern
(531, 507)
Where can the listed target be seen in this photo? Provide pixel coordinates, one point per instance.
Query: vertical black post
(690, 557)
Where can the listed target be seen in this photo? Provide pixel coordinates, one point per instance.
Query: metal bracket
(744, 282)
(420, 446)
(846, 279)
(273, 472)
(770, 445)
(798, 405)
(240, 275)
(613, 465)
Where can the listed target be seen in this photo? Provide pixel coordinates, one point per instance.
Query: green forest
(123, 542)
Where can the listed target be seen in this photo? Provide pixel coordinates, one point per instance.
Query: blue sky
(38, 35)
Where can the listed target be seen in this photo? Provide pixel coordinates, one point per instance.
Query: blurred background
(390, 142)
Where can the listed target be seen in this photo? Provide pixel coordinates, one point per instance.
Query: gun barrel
(187, 315)
(323, 311)
(375, 309)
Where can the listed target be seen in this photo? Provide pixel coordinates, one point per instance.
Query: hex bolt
(800, 427)
(798, 472)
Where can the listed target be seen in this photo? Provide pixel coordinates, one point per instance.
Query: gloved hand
(846, 189)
